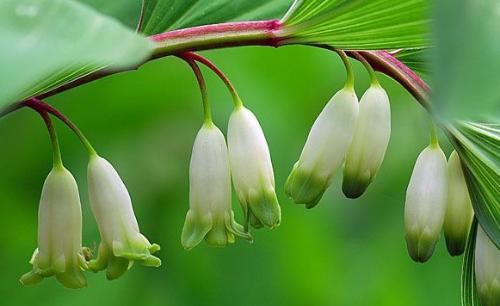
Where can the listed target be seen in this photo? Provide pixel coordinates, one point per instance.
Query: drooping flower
(59, 251)
(425, 205)
(121, 242)
(369, 144)
(459, 211)
(487, 269)
(210, 215)
(325, 149)
(252, 170)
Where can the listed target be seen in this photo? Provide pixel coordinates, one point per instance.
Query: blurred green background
(343, 252)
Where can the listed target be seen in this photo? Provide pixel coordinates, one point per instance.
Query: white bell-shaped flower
(121, 242)
(210, 215)
(252, 170)
(459, 211)
(487, 269)
(370, 141)
(59, 251)
(325, 149)
(425, 205)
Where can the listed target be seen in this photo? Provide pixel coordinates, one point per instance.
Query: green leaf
(164, 15)
(416, 59)
(46, 43)
(359, 24)
(126, 11)
(466, 58)
(479, 148)
(469, 292)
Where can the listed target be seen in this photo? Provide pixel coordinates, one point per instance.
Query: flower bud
(459, 211)
(487, 269)
(210, 216)
(59, 249)
(252, 170)
(425, 205)
(121, 242)
(371, 137)
(325, 149)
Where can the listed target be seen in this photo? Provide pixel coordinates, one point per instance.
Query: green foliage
(416, 59)
(46, 43)
(359, 24)
(126, 11)
(479, 148)
(466, 58)
(469, 292)
(163, 15)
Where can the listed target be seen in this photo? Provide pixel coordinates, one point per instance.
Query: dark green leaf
(466, 58)
(360, 24)
(479, 148)
(46, 43)
(469, 292)
(163, 15)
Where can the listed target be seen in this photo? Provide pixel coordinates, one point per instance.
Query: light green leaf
(359, 24)
(46, 43)
(479, 148)
(466, 58)
(163, 15)
(469, 292)
(126, 11)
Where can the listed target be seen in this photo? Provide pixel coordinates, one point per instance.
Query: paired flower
(370, 141)
(252, 169)
(487, 269)
(59, 251)
(210, 215)
(325, 149)
(121, 242)
(425, 205)
(459, 211)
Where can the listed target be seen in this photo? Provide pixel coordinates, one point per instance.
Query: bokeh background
(343, 252)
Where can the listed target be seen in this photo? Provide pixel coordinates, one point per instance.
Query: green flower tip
(455, 247)
(264, 209)
(421, 245)
(120, 257)
(306, 187)
(353, 186)
(217, 232)
(68, 272)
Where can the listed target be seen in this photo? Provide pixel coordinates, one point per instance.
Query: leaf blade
(479, 148)
(466, 66)
(164, 15)
(47, 43)
(360, 24)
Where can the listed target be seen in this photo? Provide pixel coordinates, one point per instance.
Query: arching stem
(41, 106)
(56, 152)
(255, 33)
(368, 67)
(350, 75)
(191, 55)
(207, 112)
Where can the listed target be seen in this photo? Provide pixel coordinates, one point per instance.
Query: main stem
(257, 33)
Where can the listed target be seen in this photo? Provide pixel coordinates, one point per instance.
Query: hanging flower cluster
(60, 252)
(245, 158)
(347, 133)
(438, 197)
